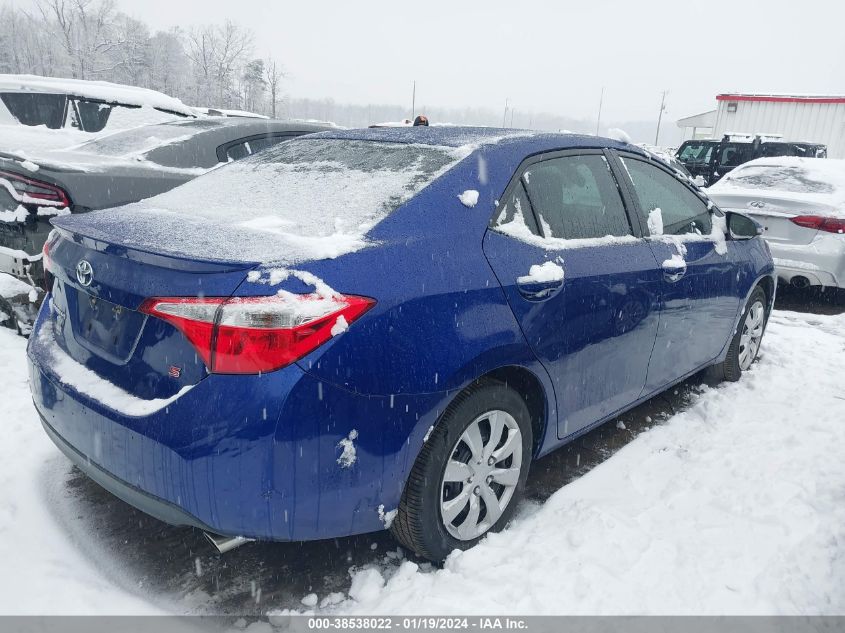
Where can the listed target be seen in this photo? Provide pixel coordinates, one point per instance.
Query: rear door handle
(539, 290)
(673, 270)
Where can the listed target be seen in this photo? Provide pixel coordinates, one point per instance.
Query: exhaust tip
(799, 281)
(226, 543)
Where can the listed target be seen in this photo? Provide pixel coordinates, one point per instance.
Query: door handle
(539, 290)
(674, 269)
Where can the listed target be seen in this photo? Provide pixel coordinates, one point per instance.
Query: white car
(800, 203)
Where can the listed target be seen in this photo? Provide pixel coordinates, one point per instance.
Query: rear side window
(734, 154)
(659, 193)
(36, 109)
(576, 197)
(242, 149)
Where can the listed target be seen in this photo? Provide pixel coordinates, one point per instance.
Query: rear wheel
(469, 474)
(745, 343)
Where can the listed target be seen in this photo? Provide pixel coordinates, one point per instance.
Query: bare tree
(87, 31)
(274, 73)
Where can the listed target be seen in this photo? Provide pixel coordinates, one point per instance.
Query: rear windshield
(791, 178)
(317, 190)
(139, 141)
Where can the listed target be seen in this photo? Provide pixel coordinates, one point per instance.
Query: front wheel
(745, 343)
(469, 475)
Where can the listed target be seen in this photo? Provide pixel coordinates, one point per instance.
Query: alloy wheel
(481, 475)
(752, 334)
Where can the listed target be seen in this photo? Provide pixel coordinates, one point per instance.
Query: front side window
(576, 197)
(697, 153)
(679, 209)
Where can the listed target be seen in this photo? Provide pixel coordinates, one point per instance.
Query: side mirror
(741, 227)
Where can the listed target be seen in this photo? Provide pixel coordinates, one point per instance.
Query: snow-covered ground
(736, 504)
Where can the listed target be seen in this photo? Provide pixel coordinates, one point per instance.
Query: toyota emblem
(84, 273)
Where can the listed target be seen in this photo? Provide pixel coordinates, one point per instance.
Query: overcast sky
(543, 56)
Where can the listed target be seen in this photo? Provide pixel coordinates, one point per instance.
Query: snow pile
(386, 517)
(340, 326)
(469, 198)
(543, 273)
(815, 180)
(618, 135)
(51, 567)
(12, 286)
(20, 214)
(675, 261)
(733, 506)
(348, 456)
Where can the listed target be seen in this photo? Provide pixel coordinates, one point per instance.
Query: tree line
(212, 65)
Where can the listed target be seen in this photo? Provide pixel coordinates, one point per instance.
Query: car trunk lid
(775, 214)
(97, 289)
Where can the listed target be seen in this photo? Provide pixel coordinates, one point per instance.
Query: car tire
(737, 359)
(433, 493)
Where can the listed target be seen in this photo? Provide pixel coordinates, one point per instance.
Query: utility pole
(660, 116)
(598, 119)
(513, 110)
(414, 100)
(505, 115)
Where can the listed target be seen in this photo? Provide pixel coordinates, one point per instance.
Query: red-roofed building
(811, 118)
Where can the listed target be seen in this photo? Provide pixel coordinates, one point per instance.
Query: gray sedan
(117, 169)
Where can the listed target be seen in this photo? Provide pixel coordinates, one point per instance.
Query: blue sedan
(381, 329)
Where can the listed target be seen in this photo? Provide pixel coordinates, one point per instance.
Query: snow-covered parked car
(87, 106)
(800, 204)
(116, 169)
(381, 329)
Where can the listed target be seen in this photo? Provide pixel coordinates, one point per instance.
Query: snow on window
(655, 221)
(816, 180)
(469, 198)
(303, 199)
(348, 455)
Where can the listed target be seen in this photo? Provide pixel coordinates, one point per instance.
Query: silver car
(800, 203)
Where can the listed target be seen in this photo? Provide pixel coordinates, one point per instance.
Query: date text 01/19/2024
(429, 623)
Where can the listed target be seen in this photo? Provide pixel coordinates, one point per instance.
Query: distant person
(421, 120)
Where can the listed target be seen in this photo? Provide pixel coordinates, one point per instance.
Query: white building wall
(796, 121)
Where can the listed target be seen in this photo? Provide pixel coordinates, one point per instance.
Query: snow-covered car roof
(110, 93)
(220, 112)
(817, 180)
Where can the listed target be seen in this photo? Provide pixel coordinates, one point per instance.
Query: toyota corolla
(382, 329)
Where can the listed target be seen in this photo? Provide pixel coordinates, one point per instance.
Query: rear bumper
(822, 261)
(251, 456)
(134, 496)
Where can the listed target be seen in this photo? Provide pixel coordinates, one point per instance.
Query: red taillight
(31, 191)
(250, 335)
(46, 265)
(820, 223)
